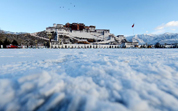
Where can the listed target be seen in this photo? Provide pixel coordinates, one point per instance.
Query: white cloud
(158, 31)
(166, 27)
(169, 24)
(172, 24)
(173, 29)
(146, 31)
(159, 27)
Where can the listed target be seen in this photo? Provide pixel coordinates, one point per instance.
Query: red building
(81, 26)
(68, 25)
(75, 26)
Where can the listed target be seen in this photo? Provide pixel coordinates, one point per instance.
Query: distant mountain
(167, 38)
(9, 32)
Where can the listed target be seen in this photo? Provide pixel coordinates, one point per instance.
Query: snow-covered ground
(89, 79)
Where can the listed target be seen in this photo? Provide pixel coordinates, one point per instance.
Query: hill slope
(21, 38)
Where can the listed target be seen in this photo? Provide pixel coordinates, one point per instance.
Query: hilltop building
(77, 32)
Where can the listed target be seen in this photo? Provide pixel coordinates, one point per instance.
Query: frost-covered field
(89, 79)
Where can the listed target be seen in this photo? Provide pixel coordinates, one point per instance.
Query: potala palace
(77, 35)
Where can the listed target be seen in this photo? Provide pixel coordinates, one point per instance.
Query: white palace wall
(76, 46)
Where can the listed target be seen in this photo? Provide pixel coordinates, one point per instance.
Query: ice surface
(89, 80)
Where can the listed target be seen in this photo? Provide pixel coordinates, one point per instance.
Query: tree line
(14, 42)
(7, 42)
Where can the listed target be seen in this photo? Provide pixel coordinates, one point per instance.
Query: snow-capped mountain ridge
(167, 38)
(9, 32)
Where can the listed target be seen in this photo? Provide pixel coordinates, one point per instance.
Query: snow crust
(89, 80)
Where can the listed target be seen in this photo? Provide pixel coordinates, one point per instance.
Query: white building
(92, 28)
(59, 26)
(91, 33)
(67, 34)
(102, 31)
(129, 44)
(169, 46)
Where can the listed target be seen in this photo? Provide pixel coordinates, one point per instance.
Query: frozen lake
(89, 79)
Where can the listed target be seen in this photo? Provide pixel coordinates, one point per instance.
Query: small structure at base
(129, 44)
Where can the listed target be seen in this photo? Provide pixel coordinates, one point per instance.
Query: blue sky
(149, 16)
